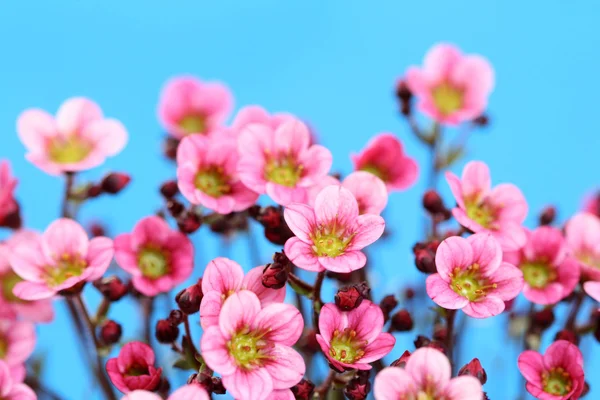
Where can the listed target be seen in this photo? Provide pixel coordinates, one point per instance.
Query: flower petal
(335, 203)
(253, 282)
(464, 388)
(75, 113)
(442, 294)
(238, 310)
(486, 252)
(487, 307)
(429, 367)
(301, 220)
(476, 181)
(454, 252)
(283, 322)
(214, 351)
(347, 262)
(222, 275)
(393, 383)
(302, 255)
(367, 230)
(254, 384)
(286, 368)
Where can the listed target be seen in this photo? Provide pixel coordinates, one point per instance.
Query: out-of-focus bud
(547, 215)
(567, 335)
(474, 368)
(402, 321)
(169, 189)
(409, 293)
(422, 341)
(166, 332)
(96, 229)
(401, 362)
(189, 299)
(402, 91)
(387, 304)
(13, 219)
(112, 288)
(425, 256)
(359, 387)
(176, 317)
(114, 182)
(189, 222)
(303, 390)
(94, 191)
(542, 319)
(110, 332)
(482, 120)
(275, 274)
(433, 203)
(440, 332)
(170, 147)
(175, 207)
(271, 218)
(350, 297)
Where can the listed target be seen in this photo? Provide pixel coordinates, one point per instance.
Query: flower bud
(275, 274)
(170, 147)
(542, 319)
(96, 229)
(169, 189)
(422, 341)
(350, 297)
(403, 91)
(110, 332)
(176, 317)
(482, 120)
(409, 293)
(271, 218)
(13, 219)
(303, 390)
(401, 362)
(387, 304)
(175, 207)
(547, 215)
(440, 332)
(189, 222)
(166, 332)
(189, 299)
(425, 256)
(114, 182)
(474, 368)
(112, 288)
(402, 321)
(359, 387)
(433, 203)
(94, 191)
(567, 335)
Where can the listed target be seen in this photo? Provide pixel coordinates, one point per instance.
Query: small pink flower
(353, 339)
(8, 205)
(550, 274)
(280, 161)
(592, 288)
(257, 115)
(186, 392)
(11, 306)
(500, 210)
(133, 368)
(188, 105)
(79, 138)
(427, 375)
(472, 277)
(17, 341)
(158, 257)
(222, 278)
(591, 204)
(207, 174)
(451, 87)
(556, 375)
(384, 157)
(331, 234)
(251, 347)
(61, 258)
(315, 189)
(583, 237)
(11, 389)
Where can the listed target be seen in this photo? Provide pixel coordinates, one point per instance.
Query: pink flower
(353, 339)
(257, 115)
(280, 161)
(188, 105)
(583, 237)
(331, 234)
(550, 274)
(384, 157)
(60, 259)
(557, 375)
(451, 87)
(591, 204)
(472, 277)
(79, 138)
(12, 307)
(186, 392)
(134, 368)
(251, 347)
(315, 189)
(592, 288)
(8, 205)
(11, 390)
(499, 211)
(222, 278)
(425, 376)
(158, 257)
(17, 341)
(207, 174)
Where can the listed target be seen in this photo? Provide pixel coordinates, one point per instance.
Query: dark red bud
(359, 387)
(567, 335)
(170, 147)
(114, 182)
(387, 304)
(474, 368)
(112, 288)
(166, 332)
(547, 215)
(110, 332)
(176, 317)
(274, 276)
(189, 299)
(175, 207)
(96, 229)
(433, 203)
(482, 120)
(13, 219)
(440, 332)
(543, 319)
(303, 390)
(422, 341)
(350, 297)
(401, 362)
(402, 321)
(409, 293)
(189, 222)
(94, 191)
(402, 91)
(169, 189)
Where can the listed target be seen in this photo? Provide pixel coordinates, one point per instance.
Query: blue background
(333, 63)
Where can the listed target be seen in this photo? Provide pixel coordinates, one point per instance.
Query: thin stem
(298, 296)
(317, 302)
(450, 318)
(147, 304)
(188, 333)
(323, 388)
(102, 311)
(570, 324)
(69, 181)
(297, 281)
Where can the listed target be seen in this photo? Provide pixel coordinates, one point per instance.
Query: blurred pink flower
(280, 161)
(79, 138)
(583, 237)
(186, 392)
(59, 259)
(257, 115)
(427, 375)
(384, 157)
(223, 277)
(188, 105)
(133, 368)
(11, 389)
(550, 274)
(556, 375)
(353, 339)
(207, 174)
(11, 306)
(331, 234)
(592, 288)
(8, 182)
(499, 211)
(283, 394)
(251, 347)
(17, 341)
(451, 87)
(472, 277)
(158, 257)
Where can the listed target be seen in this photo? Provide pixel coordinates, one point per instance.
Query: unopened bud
(547, 215)
(189, 299)
(567, 335)
(401, 362)
(387, 304)
(349, 298)
(402, 321)
(433, 203)
(110, 332)
(474, 368)
(169, 189)
(176, 317)
(114, 182)
(170, 147)
(112, 288)
(166, 332)
(275, 274)
(359, 387)
(189, 222)
(303, 390)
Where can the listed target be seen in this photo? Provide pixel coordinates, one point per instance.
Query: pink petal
(366, 320)
(486, 252)
(35, 127)
(249, 115)
(189, 392)
(463, 219)
(254, 384)
(64, 236)
(302, 255)
(150, 230)
(454, 252)
(546, 243)
(336, 203)
(562, 353)
(487, 307)
(347, 262)
(21, 391)
(317, 162)
(210, 308)
(100, 254)
(369, 191)
(33, 291)
(440, 61)
(392, 383)
(464, 388)
(109, 135)
(531, 365)
(192, 149)
(284, 195)
(417, 81)
(476, 181)
(509, 281)
(551, 294)
(283, 394)
(592, 289)
(292, 137)
(75, 113)
(214, 350)
(283, 322)
(238, 310)
(367, 230)
(255, 140)
(27, 260)
(442, 294)
(378, 348)
(455, 188)
(222, 275)
(331, 319)
(253, 282)
(583, 232)
(429, 367)
(476, 73)
(511, 235)
(300, 218)
(141, 395)
(509, 202)
(125, 255)
(286, 368)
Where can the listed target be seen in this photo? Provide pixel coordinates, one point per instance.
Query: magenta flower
(257, 115)
(59, 259)
(11, 389)
(280, 161)
(158, 257)
(78, 139)
(384, 157)
(186, 392)
(500, 210)
(8, 205)
(556, 375)
(207, 174)
(331, 234)
(550, 274)
(353, 339)
(451, 87)
(471, 276)
(427, 375)
(17, 341)
(12, 307)
(592, 288)
(188, 105)
(222, 278)
(133, 368)
(251, 347)
(583, 237)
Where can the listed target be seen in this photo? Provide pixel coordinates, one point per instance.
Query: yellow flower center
(375, 170)
(68, 266)
(538, 274)
(470, 283)
(3, 347)
(7, 282)
(68, 150)
(345, 347)
(557, 381)
(213, 182)
(153, 263)
(481, 213)
(248, 349)
(193, 124)
(283, 171)
(447, 98)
